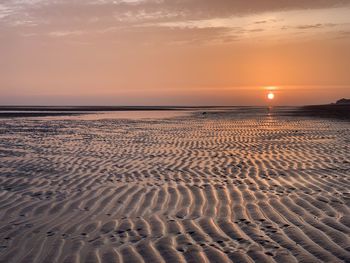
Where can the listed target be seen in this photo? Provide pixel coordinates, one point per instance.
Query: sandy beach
(245, 185)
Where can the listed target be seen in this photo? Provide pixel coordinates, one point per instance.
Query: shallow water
(227, 186)
(100, 115)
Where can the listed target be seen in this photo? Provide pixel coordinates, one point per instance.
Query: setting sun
(270, 96)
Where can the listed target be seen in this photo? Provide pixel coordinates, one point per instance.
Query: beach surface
(239, 185)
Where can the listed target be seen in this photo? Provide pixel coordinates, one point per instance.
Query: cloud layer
(58, 18)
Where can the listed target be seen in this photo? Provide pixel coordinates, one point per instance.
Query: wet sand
(241, 186)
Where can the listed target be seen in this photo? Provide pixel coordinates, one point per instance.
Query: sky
(173, 52)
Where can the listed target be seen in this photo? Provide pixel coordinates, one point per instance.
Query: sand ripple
(216, 188)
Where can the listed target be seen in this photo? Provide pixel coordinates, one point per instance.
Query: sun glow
(271, 96)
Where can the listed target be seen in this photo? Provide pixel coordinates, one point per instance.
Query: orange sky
(194, 52)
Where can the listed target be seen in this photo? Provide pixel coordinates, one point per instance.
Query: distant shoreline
(334, 111)
(107, 108)
(54, 111)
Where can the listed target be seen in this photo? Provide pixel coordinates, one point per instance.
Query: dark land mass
(337, 111)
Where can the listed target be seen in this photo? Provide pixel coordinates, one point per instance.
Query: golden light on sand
(271, 96)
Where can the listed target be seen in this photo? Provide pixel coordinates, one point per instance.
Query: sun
(271, 96)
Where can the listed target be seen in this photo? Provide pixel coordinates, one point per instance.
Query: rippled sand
(222, 187)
